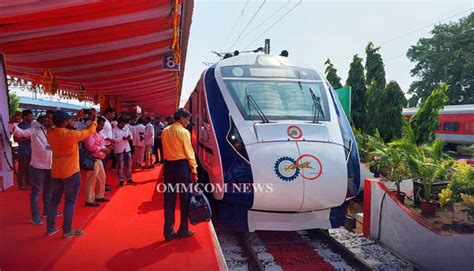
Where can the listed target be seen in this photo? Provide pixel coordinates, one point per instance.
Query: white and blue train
(264, 122)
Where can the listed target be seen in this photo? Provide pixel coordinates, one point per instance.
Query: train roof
(260, 59)
(448, 110)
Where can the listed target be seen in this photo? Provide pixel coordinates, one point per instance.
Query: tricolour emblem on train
(294, 132)
(287, 169)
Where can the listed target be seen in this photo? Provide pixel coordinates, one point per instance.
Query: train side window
(451, 126)
(472, 127)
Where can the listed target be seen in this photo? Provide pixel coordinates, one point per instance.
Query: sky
(316, 30)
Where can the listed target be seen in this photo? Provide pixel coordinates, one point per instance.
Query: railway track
(295, 251)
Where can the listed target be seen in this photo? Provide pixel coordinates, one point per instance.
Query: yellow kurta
(177, 145)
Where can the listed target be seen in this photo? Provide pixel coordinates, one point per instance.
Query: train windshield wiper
(251, 102)
(317, 106)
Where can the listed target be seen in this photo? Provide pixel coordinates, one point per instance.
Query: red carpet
(123, 234)
(292, 253)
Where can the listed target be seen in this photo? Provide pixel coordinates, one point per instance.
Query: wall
(404, 232)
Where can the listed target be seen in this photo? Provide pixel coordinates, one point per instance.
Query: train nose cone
(303, 176)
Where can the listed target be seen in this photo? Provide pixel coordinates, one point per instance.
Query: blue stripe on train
(353, 166)
(338, 214)
(234, 206)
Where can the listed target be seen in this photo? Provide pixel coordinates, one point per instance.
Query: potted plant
(392, 162)
(427, 170)
(374, 143)
(434, 152)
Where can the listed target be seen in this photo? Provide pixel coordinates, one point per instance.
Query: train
(456, 124)
(271, 135)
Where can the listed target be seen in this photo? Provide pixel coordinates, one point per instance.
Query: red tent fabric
(111, 47)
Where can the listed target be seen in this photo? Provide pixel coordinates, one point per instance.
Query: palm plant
(435, 150)
(392, 161)
(427, 171)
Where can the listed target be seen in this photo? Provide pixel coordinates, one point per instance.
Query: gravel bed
(373, 254)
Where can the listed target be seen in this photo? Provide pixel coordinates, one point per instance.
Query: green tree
(448, 56)
(425, 121)
(375, 72)
(13, 103)
(374, 108)
(391, 118)
(356, 80)
(375, 79)
(331, 75)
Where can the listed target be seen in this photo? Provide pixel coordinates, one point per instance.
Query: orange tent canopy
(111, 47)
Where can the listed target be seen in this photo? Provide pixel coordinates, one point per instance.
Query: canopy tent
(114, 48)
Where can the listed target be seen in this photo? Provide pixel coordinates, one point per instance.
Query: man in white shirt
(106, 133)
(121, 135)
(149, 140)
(139, 142)
(40, 164)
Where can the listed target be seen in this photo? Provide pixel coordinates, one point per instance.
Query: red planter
(428, 208)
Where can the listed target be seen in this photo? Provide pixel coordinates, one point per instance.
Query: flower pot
(350, 223)
(401, 197)
(418, 190)
(428, 208)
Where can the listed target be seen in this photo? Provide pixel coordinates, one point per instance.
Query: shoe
(131, 182)
(108, 188)
(185, 234)
(73, 233)
(51, 233)
(36, 223)
(121, 183)
(102, 200)
(92, 204)
(170, 237)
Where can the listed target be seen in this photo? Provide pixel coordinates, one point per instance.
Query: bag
(199, 208)
(86, 159)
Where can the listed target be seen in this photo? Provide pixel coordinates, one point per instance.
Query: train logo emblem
(287, 169)
(294, 132)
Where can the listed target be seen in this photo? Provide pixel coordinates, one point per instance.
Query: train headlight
(235, 140)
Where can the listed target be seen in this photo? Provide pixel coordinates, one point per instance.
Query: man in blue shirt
(24, 152)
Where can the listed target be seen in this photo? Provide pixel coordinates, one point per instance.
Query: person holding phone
(122, 136)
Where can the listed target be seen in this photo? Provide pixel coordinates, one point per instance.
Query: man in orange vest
(65, 172)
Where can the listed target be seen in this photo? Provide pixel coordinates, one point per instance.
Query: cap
(60, 116)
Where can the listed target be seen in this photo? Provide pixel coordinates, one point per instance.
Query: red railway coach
(456, 123)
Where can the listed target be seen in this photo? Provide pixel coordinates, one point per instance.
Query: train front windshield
(282, 97)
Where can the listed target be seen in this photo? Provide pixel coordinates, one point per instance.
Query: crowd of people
(49, 157)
